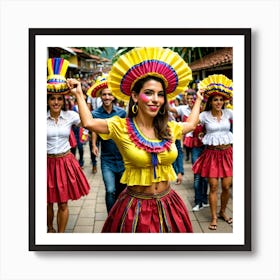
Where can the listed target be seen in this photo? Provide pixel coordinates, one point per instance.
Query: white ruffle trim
(215, 140)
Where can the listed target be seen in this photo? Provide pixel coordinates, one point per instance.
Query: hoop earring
(162, 113)
(134, 108)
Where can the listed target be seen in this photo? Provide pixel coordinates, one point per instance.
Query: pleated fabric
(214, 163)
(134, 213)
(65, 179)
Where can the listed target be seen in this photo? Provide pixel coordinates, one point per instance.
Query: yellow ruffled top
(139, 169)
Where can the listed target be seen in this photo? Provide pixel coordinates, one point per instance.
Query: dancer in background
(65, 178)
(215, 162)
(200, 184)
(193, 141)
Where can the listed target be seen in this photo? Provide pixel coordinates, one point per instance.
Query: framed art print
(207, 51)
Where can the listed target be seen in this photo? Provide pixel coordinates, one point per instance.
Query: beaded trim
(142, 143)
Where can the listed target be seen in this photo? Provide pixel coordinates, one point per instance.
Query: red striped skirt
(65, 179)
(147, 213)
(214, 163)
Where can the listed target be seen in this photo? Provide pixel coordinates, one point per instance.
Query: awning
(71, 65)
(68, 50)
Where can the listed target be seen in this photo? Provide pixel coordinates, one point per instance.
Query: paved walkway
(89, 213)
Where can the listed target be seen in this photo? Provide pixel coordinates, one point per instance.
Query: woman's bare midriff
(155, 188)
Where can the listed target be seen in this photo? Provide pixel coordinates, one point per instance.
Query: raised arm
(193, 118)
(96, 125)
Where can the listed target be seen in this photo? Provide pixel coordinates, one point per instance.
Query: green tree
(189, 54)
(93, 50)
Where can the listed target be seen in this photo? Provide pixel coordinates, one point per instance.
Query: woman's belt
(58, 155)
(219, 148)
(141, 195)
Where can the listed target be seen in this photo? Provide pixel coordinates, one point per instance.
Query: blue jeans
(80, 146)
(111, 177)
(200, 184)
(92, 155)
(178, 163)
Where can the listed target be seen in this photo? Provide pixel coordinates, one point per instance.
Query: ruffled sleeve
(202, 117)
(176, 129)
(116, 125)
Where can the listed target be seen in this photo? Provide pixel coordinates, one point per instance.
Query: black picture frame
(35, 34)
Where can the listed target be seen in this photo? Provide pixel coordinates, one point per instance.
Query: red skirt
(145, 213)
(65, 179)
(188, 142)
(214, 163)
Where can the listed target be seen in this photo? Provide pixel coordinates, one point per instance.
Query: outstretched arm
(96, 125)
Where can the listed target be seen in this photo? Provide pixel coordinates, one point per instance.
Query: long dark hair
(64, 102)
(161, 119)
(208, 106)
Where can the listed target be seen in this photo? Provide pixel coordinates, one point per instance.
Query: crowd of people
(142, 143)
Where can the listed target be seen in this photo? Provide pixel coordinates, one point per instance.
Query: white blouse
(184, 110)
(58, 133)
(217, 132)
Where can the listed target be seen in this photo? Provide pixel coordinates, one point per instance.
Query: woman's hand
(74, 87)
(200, 94)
